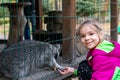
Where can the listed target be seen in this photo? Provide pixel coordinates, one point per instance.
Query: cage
(53, 22)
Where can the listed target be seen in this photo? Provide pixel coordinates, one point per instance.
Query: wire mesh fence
(25, 24)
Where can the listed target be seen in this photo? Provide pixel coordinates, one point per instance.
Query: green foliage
(4, 21)
(4, 13)
(46, 6)
(86, 7)
(3, 10)
(4, 1)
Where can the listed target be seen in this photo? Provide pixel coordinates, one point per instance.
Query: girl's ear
(101, 36)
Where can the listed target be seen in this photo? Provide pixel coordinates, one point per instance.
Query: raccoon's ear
(58, 46)
(59, 49)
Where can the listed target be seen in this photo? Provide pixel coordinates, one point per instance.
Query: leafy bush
(86, 8)
(4, 21)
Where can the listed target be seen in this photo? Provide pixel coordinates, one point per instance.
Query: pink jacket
(105, 61)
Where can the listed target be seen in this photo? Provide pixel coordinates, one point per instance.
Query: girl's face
(90, 37)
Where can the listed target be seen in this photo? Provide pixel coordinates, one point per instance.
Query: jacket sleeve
(102, 69)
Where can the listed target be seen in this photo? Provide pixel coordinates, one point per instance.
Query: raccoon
(22, 58)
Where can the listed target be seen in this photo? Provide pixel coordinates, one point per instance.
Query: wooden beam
(69, 13)
(114, 19)
(38, 14)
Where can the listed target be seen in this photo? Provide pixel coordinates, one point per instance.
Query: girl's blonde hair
(93, 22)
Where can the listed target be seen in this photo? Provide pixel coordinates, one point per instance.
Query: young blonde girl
(103, 59)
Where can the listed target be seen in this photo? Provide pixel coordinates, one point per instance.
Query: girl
(103, 58)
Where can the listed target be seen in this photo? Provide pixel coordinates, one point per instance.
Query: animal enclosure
(26, 27)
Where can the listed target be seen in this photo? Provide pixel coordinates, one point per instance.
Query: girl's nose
(87, 37)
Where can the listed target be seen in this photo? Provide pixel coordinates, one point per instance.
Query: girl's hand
(66, 70)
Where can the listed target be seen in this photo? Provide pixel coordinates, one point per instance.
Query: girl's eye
(91, 33)
(82, 36)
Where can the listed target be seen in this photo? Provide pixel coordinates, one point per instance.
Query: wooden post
(38, 8)
(114, 19)
(17, 21)
(69, 13)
